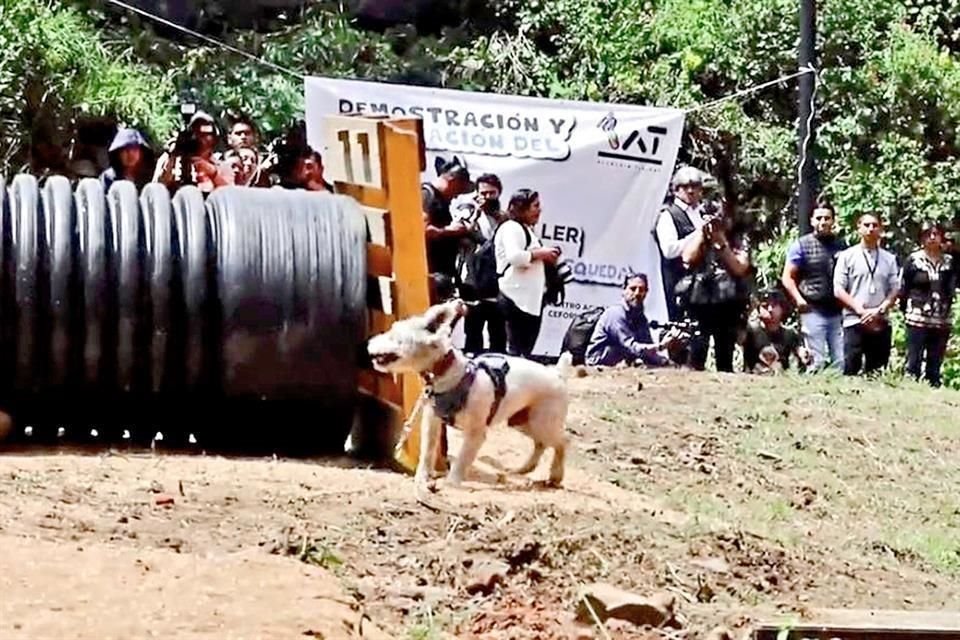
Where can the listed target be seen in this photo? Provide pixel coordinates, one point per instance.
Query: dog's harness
(451, 402)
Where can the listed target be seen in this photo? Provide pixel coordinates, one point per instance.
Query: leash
(404, 436)
(408, 424)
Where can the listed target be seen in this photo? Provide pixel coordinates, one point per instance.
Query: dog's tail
(566, 369)
(564, 366)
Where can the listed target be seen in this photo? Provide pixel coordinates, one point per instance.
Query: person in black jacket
(442, 231)
(928, 281)
(715, 290)
(808, 280)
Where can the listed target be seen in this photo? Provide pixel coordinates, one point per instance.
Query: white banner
(601, 170)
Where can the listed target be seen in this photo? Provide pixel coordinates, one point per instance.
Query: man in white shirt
(866, 282)
(675, 228)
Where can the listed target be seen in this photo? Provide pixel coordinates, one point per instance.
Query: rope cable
(207, 39)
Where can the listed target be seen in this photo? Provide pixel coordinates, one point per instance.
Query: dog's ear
(441, 315)
(436, 317)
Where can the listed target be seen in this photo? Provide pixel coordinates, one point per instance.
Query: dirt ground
(744, 498)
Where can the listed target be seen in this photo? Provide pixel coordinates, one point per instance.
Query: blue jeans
(823, 336)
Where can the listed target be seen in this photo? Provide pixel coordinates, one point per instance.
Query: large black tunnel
(235, 319)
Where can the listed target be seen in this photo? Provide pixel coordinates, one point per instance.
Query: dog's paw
(424, 488)
(553, 483)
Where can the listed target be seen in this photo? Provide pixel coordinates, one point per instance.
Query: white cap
(687, 175)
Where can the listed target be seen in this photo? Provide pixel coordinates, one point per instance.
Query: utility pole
(807, 189)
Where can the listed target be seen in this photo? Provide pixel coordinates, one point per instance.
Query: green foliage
(898, 136)
(54, 66)
(951, 364)
(768, 260)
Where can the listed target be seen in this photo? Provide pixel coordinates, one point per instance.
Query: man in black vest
(808, 279)
(675, 227)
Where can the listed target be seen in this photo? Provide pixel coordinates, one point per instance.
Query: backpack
(556, 278)
(482, 275)
(577, 338)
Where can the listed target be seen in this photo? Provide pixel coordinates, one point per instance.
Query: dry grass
(826, 464)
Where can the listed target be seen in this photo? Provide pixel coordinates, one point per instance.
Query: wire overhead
(749, 90)
(219, 43)
(296, 74)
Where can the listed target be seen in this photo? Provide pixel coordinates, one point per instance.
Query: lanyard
(871, 270)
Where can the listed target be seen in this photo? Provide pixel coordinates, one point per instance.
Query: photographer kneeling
(622, 334)
(715, 290)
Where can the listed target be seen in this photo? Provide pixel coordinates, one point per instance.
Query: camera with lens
(185, 144)
(712, 214)
(710, 211)
(682, 332)
(491, 206)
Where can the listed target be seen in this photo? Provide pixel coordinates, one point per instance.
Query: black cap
(455, 168)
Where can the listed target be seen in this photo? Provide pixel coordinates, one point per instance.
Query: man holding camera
(622, 334)
(703, 271)
(192, 158)
(443, 233)
(675, 228)
(715, 290)
(481, 213)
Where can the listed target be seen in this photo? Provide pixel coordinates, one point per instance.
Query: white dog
(474, 394)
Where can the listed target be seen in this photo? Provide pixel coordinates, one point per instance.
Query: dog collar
(448, 404)
(441, 367)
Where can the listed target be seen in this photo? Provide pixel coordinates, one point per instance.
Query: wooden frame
(378, 161)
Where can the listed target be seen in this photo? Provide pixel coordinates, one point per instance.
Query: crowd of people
(843, 295)
(202, 156)
(492, 257)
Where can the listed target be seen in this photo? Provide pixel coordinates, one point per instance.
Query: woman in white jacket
(520, 262)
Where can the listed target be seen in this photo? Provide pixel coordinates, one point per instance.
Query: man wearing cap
(442, 231)
(808, 279)
(676, 226)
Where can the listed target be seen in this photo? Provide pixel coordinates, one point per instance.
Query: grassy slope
(822, 465)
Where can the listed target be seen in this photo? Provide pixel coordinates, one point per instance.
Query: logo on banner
(639, 148)
(573, 242)
(494, 131)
